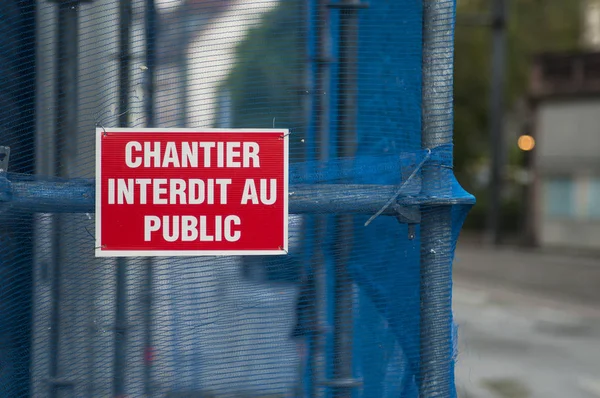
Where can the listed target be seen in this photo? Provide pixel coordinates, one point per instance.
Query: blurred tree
(263, 90)
(268, 73)
(534, 26)
(264, 84)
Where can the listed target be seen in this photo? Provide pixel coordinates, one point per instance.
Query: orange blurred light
(526, 143)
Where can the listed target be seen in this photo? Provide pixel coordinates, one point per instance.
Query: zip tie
(92, 236)
(89, 233)
(399, 191)
(104, 133)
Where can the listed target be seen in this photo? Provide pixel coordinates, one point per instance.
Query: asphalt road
(529, 324)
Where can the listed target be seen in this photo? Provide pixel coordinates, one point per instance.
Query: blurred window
(594, 198)
(558, 68)
(559, 198)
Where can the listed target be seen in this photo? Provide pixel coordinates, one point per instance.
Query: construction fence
(361, 304)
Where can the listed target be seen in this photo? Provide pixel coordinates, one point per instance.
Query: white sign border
(188, 253)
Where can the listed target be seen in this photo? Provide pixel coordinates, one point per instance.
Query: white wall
(568, 146)
(570, 234)
(591, 25)
(568, 135)
(211, 56)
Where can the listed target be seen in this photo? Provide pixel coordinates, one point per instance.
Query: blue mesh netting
(360, 306)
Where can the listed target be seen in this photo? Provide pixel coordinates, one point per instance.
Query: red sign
(185, 192)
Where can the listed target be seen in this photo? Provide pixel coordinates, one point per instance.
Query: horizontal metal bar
(61, 383)
(348, 6)
(344, 383)
(4, 157)
(348, 199)
(74, 196)
(78, 196)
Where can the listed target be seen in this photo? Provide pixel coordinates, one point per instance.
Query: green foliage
(270, 61)
(265, 81)
(534, 26)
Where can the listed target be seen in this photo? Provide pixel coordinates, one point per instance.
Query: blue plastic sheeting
(17, 81)
(30, 194)
(360, 307)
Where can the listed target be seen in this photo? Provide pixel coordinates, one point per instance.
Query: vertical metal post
(496, 119)
(150, 62)
(348, 60)
(16, 234)
(150, 122)
(306, 375)
(125, 11)
(323, 79)
(343, 382)
(65, 137)
(4, 158)
(183, 80)
(148, 347)
(183, 84)
(121, 263)
(529, 238)
(320, 133)
(436, 346)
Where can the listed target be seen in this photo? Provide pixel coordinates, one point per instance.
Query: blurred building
(565, 89)
(564, 208)
(590, 37)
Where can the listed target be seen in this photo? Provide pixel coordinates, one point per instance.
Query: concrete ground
(529, 323)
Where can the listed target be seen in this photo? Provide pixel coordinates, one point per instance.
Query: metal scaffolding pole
(65, 136)
(121, 263)
(343, 383)
(497, 150)
(317, 81)
(321, 122)
(150, 122)
(436, 342)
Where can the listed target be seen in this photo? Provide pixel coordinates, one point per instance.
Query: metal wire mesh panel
(361, 304)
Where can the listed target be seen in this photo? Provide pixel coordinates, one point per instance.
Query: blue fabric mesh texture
(353, 310)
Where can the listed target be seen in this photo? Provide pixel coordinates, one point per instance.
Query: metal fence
(360, 307)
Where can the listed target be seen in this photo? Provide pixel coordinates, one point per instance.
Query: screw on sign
(186, 192)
